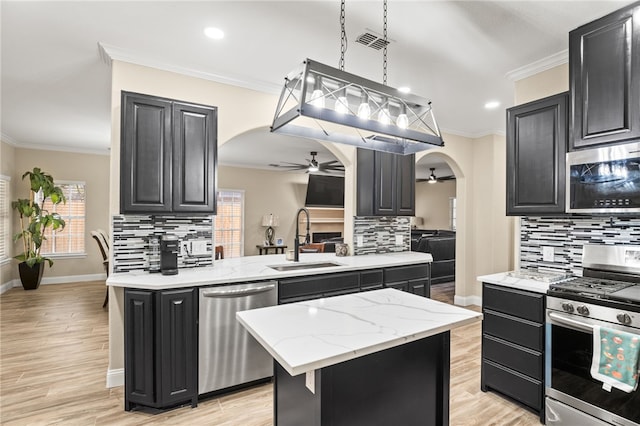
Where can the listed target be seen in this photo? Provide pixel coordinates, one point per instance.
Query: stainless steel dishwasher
(228, 354)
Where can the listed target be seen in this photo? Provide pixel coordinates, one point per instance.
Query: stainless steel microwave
(604, 180)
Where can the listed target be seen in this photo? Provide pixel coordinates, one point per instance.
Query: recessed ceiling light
(214, 33)
(404, 89)
(492, 105)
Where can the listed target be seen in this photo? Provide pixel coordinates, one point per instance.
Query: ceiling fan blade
(328, 163)
(443, 178)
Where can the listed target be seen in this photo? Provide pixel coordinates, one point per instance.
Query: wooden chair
(219, 252)
(104, 251)
(312, 248)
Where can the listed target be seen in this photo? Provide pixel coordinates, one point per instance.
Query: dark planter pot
(30, 276)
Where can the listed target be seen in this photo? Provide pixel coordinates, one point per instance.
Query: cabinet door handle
(239, 292)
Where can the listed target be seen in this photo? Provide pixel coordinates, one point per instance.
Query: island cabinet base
(405, 385)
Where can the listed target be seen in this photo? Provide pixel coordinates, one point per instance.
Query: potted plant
(34, 220)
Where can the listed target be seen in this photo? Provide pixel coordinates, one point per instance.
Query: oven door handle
(570, 322)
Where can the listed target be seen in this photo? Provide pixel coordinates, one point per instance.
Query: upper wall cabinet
(604, 76)
(386, 183)
(536, 147)
(168, 156)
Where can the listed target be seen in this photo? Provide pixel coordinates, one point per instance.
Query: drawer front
(515, 357)
(517, 386)
(522, 304)
(371, 279)
(514, 330)
(318, 285)
(405, 273)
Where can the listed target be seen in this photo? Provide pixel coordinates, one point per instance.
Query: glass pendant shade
(384, 117)
(402, 121)
(364, 110)
(317, 97)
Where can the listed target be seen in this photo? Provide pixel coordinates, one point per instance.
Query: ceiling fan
(312, 165)
(433, 178)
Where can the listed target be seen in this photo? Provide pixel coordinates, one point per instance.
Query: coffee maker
(169, 249)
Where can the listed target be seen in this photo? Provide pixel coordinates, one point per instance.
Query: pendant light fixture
(318, 102)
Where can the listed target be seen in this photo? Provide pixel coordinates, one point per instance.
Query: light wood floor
(53, 360)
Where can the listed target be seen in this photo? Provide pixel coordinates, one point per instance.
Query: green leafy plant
(34, 219)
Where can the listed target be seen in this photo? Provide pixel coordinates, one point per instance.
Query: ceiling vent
(372, 40)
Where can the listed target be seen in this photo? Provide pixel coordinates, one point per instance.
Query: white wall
(432, 203)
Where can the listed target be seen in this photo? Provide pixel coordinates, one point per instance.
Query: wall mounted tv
(325, 191)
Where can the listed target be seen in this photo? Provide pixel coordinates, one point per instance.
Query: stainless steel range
(606, 297)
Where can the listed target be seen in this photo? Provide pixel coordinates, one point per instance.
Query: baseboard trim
(467, 300)
(9, 285)
(115, 377)
(56, 280)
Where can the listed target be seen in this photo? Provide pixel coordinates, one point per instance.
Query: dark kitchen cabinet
(513, 344)
(604, 78)
(536, 149)
(168, 156)
(414, 279)
(160, 348)
(386, 184)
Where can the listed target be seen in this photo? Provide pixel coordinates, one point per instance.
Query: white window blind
(71, 239)
(452, 213)
(5, 218)
(229, 222)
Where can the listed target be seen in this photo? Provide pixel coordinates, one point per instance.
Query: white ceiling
(56, 88)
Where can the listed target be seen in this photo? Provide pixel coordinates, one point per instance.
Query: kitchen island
(374, 358)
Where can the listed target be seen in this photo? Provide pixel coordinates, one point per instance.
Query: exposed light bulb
(384, 117)
(317, 97)
(402, 121)
(364, 110)
(342, 105)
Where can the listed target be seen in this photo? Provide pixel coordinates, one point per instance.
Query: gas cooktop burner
(590, 286)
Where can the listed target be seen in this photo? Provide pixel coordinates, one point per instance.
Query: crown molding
(538, 66)
(61, 148)
(9, 140)
(109, 53)
(477, 135)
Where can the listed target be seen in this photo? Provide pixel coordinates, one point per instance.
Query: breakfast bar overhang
(374, 358)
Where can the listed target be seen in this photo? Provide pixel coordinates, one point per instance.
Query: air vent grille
(372, 40)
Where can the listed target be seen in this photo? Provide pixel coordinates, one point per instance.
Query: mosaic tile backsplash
(567, 236)
(379, 234)
(131, 236)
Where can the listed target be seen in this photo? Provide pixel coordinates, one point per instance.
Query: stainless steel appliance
(169, 249)
(607, 295)
(228, 355)
(604, 180)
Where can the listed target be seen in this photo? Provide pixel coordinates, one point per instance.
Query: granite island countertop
(256, 268)
(310, 335)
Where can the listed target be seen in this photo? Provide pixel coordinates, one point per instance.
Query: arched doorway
(439, 186)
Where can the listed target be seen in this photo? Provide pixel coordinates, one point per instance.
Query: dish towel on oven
(615, 358)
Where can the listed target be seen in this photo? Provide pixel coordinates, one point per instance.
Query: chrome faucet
(307, 238)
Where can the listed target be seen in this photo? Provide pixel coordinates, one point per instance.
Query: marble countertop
(309, 335)
(514, 282)
(256, 268)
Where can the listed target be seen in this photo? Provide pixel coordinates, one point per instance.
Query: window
(5, 222)
(229, 222)
(452, 213)
(71, 239)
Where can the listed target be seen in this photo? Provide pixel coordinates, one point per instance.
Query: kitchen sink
(306, 265)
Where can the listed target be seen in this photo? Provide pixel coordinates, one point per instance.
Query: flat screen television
(325, 191)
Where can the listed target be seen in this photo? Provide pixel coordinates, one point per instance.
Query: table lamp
(270, 221)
